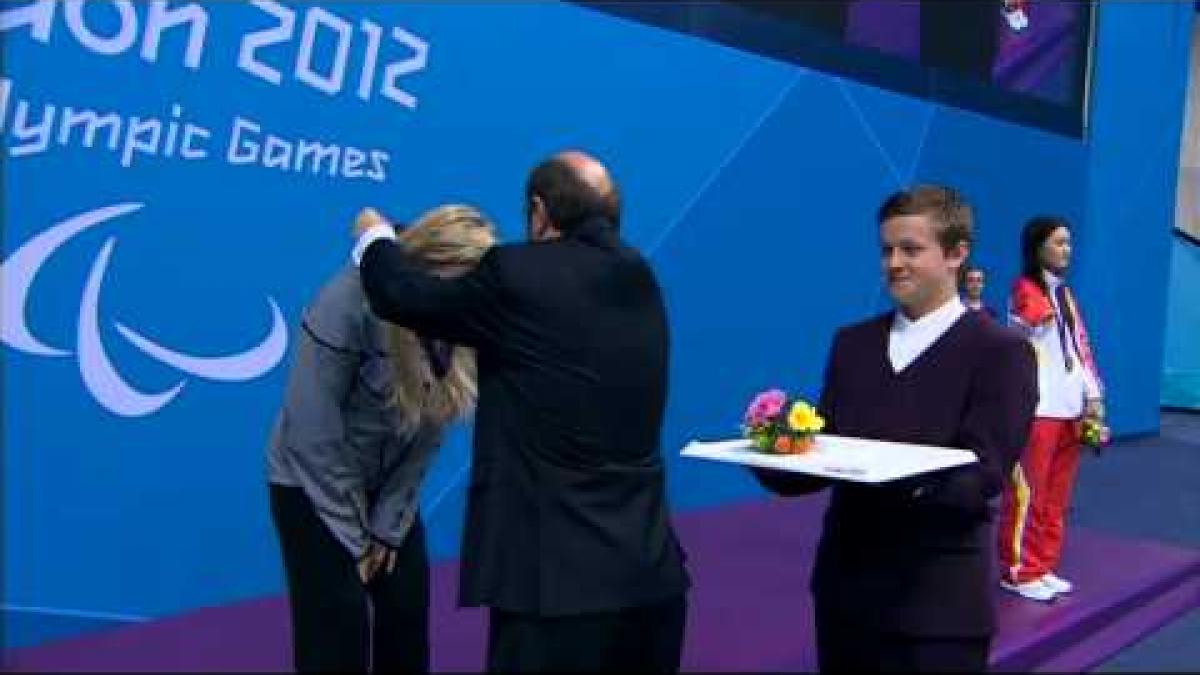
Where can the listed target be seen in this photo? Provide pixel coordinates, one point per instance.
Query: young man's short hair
(945, 206)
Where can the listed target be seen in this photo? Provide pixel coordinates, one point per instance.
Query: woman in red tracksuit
(1035, 501)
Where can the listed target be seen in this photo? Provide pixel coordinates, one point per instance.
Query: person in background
(973, 282)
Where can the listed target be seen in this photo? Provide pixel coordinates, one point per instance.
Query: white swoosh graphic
(234, 368)
(18, 271)
(99, 375)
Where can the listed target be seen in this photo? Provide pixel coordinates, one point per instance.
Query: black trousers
(337, 623)
(843, 646)
(636, 640)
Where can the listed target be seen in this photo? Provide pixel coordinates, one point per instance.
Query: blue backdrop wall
(1181, 360)
(1124, 248)
(179, 178)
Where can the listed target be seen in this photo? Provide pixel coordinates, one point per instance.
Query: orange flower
(783, 444)
(803, 444)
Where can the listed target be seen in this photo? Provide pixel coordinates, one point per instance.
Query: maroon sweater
(914, 556)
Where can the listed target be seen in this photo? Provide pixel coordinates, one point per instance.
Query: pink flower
(765, 406)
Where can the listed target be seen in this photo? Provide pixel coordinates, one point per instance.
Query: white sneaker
(1032, 590)
(1057, 583)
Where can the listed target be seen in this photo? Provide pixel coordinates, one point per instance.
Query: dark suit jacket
(566, 510)
(914, 556)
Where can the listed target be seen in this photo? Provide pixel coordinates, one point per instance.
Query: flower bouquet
(1094, 434)
(777, 425)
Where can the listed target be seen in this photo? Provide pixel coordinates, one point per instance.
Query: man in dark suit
(567, 538)
(903, 572)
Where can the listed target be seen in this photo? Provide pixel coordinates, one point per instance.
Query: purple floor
(749, 608)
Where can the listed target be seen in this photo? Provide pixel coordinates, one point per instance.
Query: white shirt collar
(909, 339)
(1053, 281)
(943, 316)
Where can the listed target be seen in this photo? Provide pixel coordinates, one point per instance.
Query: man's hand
(1094, 408)
(367, 218)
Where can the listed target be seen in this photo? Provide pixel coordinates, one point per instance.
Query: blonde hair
(447, 237)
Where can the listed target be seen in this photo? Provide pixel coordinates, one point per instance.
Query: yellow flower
(803, 418)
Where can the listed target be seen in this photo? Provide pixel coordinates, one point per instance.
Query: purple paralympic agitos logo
(100, 375)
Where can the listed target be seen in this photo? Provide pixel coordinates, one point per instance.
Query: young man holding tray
(903, 572)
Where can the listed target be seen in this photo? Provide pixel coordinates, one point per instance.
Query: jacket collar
(595, 232)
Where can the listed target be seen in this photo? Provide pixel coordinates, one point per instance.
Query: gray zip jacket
(337, 436)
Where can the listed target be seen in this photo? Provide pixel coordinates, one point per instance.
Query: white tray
(840, 457)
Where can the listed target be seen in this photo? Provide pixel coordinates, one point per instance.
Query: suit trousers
(637, 640)
(846, 646)
(338, 624)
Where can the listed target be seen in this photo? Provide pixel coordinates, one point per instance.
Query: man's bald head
(589, 169)
(571, 188)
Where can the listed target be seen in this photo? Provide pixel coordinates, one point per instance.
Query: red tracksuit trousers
(1033, 508)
